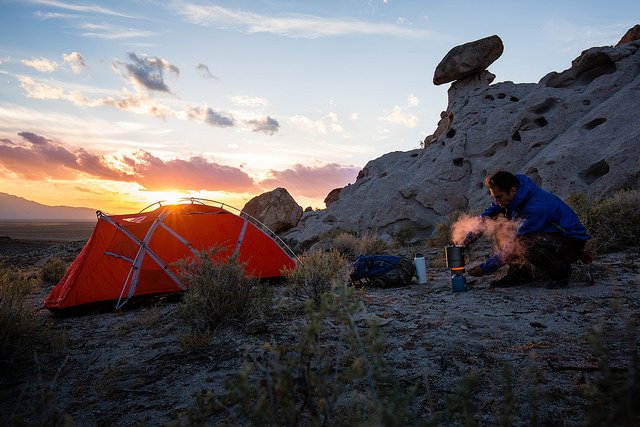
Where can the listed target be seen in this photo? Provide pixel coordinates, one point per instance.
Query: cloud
(41, 64)
(320, 126)
(113, 32)
(39, 158)
(39, 90)
(291, 25)
(248, 101)
(53, 15)
(210, 117)
(311, 181)
(398, 114)
(76, 62)
(266, 125)
(205, 72)
(43, 158)
(85, 8)
(148, 71)
(197, 173)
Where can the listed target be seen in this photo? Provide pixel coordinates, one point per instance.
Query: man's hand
(475, 271)
(470, 238)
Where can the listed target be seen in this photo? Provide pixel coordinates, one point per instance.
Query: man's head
(503, 187)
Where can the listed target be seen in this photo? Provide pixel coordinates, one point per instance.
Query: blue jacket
(540, 212)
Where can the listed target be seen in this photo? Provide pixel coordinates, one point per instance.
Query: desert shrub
(314, 384)
(372, 244)
(404, 236)
(614, 223)
(347, 244)
(315, 275)
(21, 331)
(220, 292)
(612, 395)
(53, 271)
(443, 234)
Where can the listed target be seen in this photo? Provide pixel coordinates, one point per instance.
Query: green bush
(53, 271)
(316, 274)
(220, 292)
(614, 223)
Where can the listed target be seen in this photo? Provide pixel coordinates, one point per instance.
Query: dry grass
(613, 223)
(316, 274)
(22, 333)
(220, 293)
(53, 271)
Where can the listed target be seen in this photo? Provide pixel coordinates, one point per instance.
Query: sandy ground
(128, 368)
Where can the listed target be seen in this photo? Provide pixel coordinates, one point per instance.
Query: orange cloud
(311, 181)
(40, 158)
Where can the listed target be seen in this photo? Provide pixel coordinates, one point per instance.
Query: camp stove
(455, 262)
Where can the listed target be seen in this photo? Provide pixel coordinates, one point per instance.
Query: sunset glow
(116, 105)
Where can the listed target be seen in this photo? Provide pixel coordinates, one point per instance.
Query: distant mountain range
(16, 208)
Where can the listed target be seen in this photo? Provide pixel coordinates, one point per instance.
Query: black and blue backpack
(382, 271)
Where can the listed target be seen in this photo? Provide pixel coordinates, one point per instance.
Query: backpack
(382, 271)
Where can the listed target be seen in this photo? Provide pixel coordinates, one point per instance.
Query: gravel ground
(128, 368)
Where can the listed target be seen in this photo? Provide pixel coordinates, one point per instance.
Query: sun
(166, 197)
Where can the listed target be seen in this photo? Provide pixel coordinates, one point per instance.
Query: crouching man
(549, 236)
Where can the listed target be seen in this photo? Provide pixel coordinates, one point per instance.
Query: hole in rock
(502, 95)
(540, 122)
(489, 97)
(458, 161)
(383, 174)
(544, 106)
(516, 136)
(594, 172)
(594, 123)
(586, 102)
(451, 133)
(514, 99)
(414, 155)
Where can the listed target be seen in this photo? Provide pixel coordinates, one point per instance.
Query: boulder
(468, 59)
(276, 209)
(632, 35)
(574, 131)
(332, 196)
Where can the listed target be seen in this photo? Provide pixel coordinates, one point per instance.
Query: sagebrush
(220, 292)
(315, 274)
(614, 223)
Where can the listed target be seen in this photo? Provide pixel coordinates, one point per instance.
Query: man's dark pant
(552, 253)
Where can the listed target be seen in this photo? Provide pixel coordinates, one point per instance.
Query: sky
(115, 105)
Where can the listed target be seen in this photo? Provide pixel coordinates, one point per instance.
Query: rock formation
(276, 209)
(468, 59)
(574, 131)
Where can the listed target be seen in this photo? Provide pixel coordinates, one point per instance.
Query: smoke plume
(501, 230)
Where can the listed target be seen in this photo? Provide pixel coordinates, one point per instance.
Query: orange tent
(133, 255)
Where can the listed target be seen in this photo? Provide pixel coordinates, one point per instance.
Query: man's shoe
(557, 284)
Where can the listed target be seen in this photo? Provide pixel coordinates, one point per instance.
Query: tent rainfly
(135, 254)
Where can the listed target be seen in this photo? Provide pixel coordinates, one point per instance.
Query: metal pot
(454, 256)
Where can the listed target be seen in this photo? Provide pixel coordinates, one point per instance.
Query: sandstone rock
(332, 196)
(468, 59)
(276, 209)
(631, 35)
(577, 134)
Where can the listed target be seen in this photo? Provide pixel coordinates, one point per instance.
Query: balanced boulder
(468, 59)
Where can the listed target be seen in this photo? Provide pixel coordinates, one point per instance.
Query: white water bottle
(421, 268)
